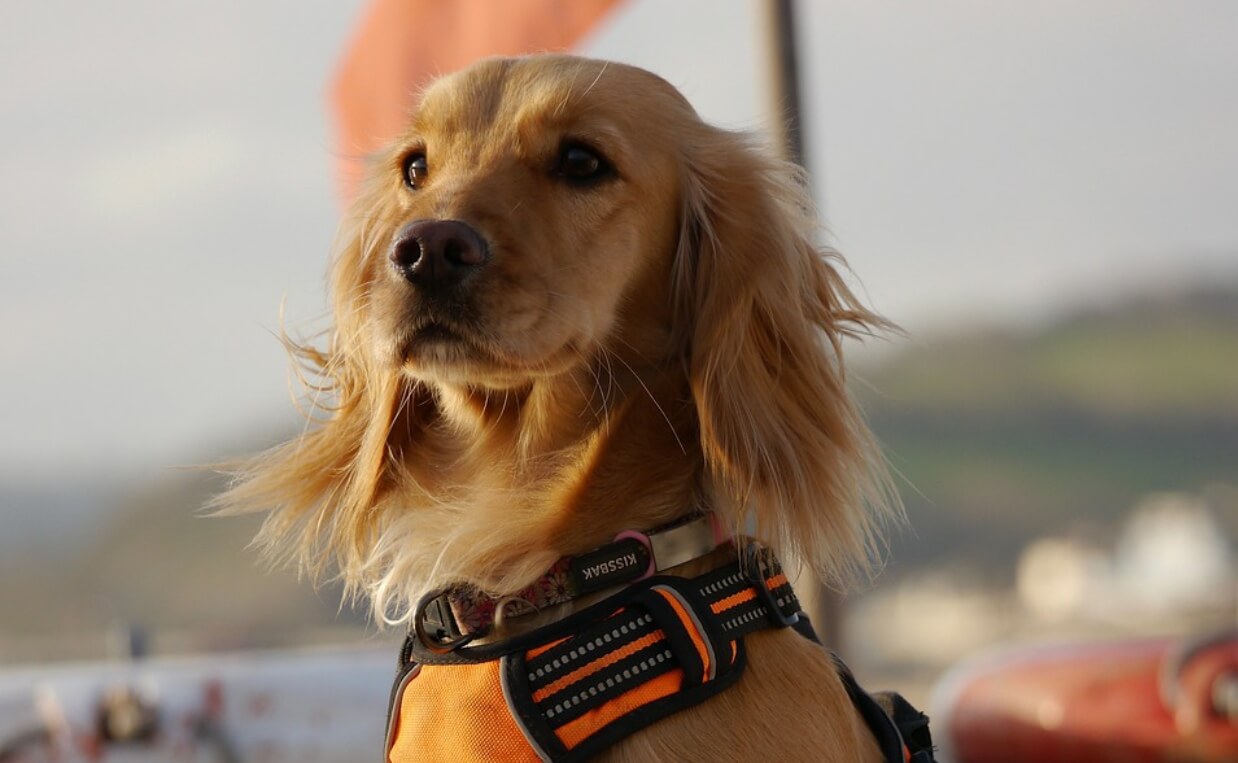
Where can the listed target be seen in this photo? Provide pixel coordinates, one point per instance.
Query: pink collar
(449, 618)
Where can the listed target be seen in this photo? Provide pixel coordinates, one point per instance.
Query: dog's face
(527, 217)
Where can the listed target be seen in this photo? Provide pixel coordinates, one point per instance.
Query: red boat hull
(1136, 702)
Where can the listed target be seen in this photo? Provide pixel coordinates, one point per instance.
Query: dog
(565, 307)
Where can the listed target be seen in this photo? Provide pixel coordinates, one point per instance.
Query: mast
(824, 605)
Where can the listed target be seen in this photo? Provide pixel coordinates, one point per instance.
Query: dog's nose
(434, 254)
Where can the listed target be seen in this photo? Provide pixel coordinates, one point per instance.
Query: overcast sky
(166, 180)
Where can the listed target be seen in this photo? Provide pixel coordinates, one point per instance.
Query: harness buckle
(436, 626)
(756, 565)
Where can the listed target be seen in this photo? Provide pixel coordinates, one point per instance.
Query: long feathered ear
(766, 313)
(321, 488)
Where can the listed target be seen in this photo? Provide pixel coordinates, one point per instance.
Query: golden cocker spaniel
(565, 307)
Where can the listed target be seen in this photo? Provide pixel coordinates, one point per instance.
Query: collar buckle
(435, 625)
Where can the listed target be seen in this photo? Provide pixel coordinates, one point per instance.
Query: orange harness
(571, 689)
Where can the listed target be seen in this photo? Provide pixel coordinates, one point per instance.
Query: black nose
(434, 254)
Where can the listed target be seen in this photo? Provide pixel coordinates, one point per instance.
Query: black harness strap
(901, 731)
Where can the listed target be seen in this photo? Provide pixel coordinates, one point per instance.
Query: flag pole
(824, 605)
(784, 78)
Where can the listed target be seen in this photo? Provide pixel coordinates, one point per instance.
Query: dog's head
(527, 217)
(541, 220)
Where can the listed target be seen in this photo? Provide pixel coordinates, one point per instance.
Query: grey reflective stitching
(646, 664)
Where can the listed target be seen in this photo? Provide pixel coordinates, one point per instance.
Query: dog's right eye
(415, 169)
(581, 164)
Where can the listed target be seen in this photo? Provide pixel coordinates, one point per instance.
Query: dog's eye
(581, 164)
(415, 169)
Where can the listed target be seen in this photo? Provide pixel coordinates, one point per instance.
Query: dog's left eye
(582, 164)
(415, 169)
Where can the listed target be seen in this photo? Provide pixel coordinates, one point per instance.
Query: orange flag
(402, 44)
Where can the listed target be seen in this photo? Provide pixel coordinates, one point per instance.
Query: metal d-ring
(500, 610)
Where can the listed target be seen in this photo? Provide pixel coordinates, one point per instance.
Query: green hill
(1005, 435)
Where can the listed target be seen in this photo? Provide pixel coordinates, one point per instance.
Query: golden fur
(664, 340)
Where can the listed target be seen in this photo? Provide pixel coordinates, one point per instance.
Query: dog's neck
(612, 441)
(554, 469)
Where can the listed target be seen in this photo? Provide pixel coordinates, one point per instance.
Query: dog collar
(449, 618)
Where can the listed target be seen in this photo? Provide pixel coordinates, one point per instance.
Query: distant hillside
(1006, 435)
(152, 560)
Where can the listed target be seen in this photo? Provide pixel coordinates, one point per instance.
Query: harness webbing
(640, 643)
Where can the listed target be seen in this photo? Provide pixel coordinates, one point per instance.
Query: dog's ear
(764, 314)
(320, 489)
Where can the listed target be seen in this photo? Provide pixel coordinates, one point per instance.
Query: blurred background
(1043, 195)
